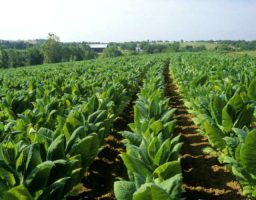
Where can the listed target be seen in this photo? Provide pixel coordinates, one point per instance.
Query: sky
(128, 20)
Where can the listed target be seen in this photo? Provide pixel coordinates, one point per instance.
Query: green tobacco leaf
(228, 115)
(175, 151)
(168, 115)
(55, 190)
(131, 137)
(252, 90)
(93, 103)
(156, 127)
(236, 101)
(88, 147)
(7, 175)
(215, 136)
(79, 133)
(20, 161)
(248, 152)
(169, 129)
(200, 80)
(124, 190)
(136, 120)
(132, 127)
(38, 178)
(139, 179)
(74, 180)
(57, 148)
(44, 135)
(150, 191)
(101, 116)
(32, 156)
(217, 104)
(76, 161)
(162, 153)
(173, 186)
(10, 150)
(61, 168)
(18, 193)
(240, 133)
(245, 117)
(237, 152)
(3, 156)
(167, 170)
(175, 141)
(153, 148)
(134, 164)
(72, 122)
(153, 109)
(93, 117)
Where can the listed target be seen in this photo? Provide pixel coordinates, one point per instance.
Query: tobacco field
(148, 127)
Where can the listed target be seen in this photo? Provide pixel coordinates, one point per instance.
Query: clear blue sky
(128, 20)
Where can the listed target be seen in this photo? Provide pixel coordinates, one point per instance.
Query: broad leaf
(38, 178)
(134, 164)
(167, 170)
(150, 191)
(57, 148)
(215, 136)
(18, 193)
(248, 152)
(124, 190)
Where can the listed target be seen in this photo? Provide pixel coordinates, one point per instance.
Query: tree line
(21, 53)
(17, 54)
(192, 46)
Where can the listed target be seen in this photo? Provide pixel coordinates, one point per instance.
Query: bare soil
(203, 176)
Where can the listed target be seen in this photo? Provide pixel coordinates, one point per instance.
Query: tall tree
(52, 49)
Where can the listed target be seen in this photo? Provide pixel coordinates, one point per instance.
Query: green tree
(111, 52)
(4, 58)
(13, 58)
(130, 46)
(174, 47)
(87, 52)
(19, 58)
(52, 49)
(34, 56)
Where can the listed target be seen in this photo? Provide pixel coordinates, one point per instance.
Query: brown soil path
(203, 176)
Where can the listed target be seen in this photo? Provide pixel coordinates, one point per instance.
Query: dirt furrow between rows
(108, 167)
(203, 176)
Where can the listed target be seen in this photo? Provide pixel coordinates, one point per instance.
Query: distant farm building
(138, 49)
(98, 47)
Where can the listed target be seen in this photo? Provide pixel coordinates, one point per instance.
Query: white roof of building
(100, 46)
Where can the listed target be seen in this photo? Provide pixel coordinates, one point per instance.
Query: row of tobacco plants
(220, 92)
(152, 150)
(53, 120)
